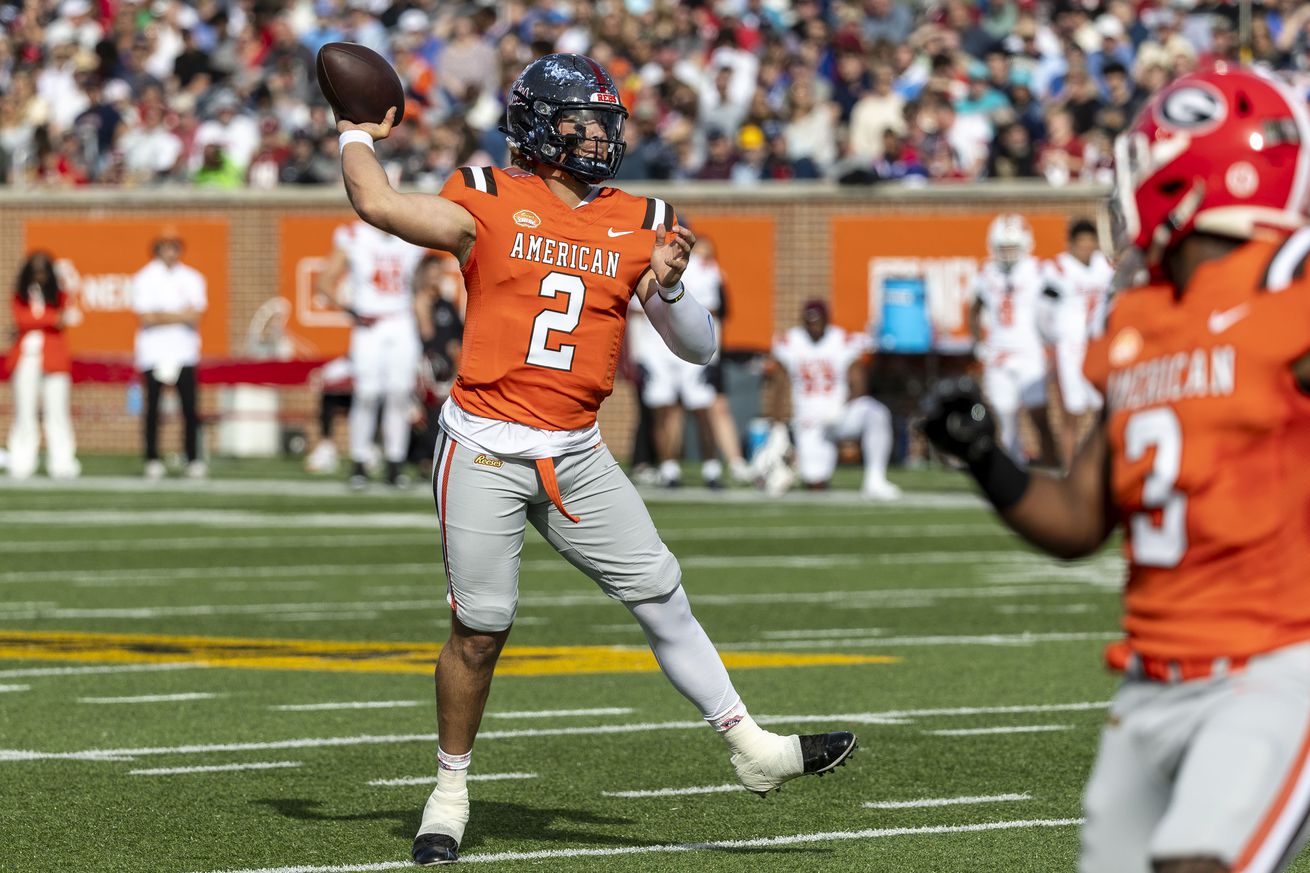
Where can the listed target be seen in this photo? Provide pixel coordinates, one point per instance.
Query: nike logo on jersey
(613, 233)
(1221, 320)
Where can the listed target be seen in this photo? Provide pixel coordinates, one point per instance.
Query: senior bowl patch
(488, 461)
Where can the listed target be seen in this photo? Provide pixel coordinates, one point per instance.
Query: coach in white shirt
(169, 299)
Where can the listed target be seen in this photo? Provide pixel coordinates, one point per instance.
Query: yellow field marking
(363, 657)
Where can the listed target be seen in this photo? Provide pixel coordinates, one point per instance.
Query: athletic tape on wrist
(358, 136)
(671, 295)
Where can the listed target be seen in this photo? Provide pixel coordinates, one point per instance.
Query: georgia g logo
(1194, 108)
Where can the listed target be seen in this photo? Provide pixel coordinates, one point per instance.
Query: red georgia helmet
(1226, 151)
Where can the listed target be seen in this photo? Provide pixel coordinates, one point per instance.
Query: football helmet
(1222, 151)
(575, 92)
(1009, 239)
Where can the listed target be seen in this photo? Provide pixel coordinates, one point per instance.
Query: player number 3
(1163, 544)
(552, 320)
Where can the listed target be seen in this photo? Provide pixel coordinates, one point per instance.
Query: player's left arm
(684, 324)
(1068, 516)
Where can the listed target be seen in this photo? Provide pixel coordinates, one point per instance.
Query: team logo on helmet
(527, 218)
(1242, 180)
(604, 97)
(1194, 108)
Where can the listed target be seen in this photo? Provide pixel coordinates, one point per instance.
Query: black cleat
(432, 849)
(825, 752)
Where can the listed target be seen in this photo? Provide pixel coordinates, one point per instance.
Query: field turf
(236, 675)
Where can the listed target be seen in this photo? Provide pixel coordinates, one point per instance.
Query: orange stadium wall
(778, 246)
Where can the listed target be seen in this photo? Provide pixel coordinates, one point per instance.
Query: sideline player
(1082, 277)
(1201, 453)
(823, 364)
(551, 259)
(672, 385)
(384, 343)
(1009, 322)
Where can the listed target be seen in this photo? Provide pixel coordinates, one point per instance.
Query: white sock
(447, 809)
(876, 443)
(670, 470)
(711, 470)
(685, 653)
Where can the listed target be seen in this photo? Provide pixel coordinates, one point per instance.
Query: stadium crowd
(222, 93)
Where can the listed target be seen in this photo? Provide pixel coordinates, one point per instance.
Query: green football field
(235, 675)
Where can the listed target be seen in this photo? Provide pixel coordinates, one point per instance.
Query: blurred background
(827, 148)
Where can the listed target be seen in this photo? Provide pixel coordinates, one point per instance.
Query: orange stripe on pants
(441, 515)
(1276, 811)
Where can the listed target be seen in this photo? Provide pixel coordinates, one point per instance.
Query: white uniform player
(384, 344)
(670, 382)
(1011, 324)
(669, 379)
(817, 359)
(1083, 276)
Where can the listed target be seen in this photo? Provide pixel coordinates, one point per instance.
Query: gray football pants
(484, 504)
(1212, 767)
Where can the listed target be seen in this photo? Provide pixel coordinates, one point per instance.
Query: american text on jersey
(557, 253)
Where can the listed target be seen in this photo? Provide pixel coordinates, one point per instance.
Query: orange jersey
(1209, 438)
(548, 291)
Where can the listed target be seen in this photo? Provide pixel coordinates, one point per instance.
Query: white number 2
(562, 322)
(1161, 545)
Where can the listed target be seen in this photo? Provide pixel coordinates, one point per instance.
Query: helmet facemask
(583, 140)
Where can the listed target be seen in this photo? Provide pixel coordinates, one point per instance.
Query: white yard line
(335, 488)
(677, 792)
(1011, 729)
(862, 598)
(116, 668)
(347, 704)
(555, 564)
(427, 533)
(215, 768)
(5, 689)
(472, 777)
(891, 717)
(820, 633)
(1020, 639)
(945, 801)
(153, 698)
(756, 843)
(558, 713)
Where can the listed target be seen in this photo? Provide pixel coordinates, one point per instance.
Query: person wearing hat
(169, 299)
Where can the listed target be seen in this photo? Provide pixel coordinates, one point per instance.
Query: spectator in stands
(720, 158)
(1121, 102)
(1061, 159)
(169, 299)
(874, 113)
(1012, 155)
(811, 129)
(217, 169)
(126, 78)
(887, 21)
(39, 368)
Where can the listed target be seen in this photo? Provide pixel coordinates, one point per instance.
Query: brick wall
(802, 261)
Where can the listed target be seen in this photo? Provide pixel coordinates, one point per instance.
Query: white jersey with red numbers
(1083, 288)
(381, 269)
(817, 370)
(1015, 317)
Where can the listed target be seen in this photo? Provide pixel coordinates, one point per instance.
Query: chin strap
(1179, 217)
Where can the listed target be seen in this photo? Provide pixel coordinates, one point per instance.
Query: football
(359, 83)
